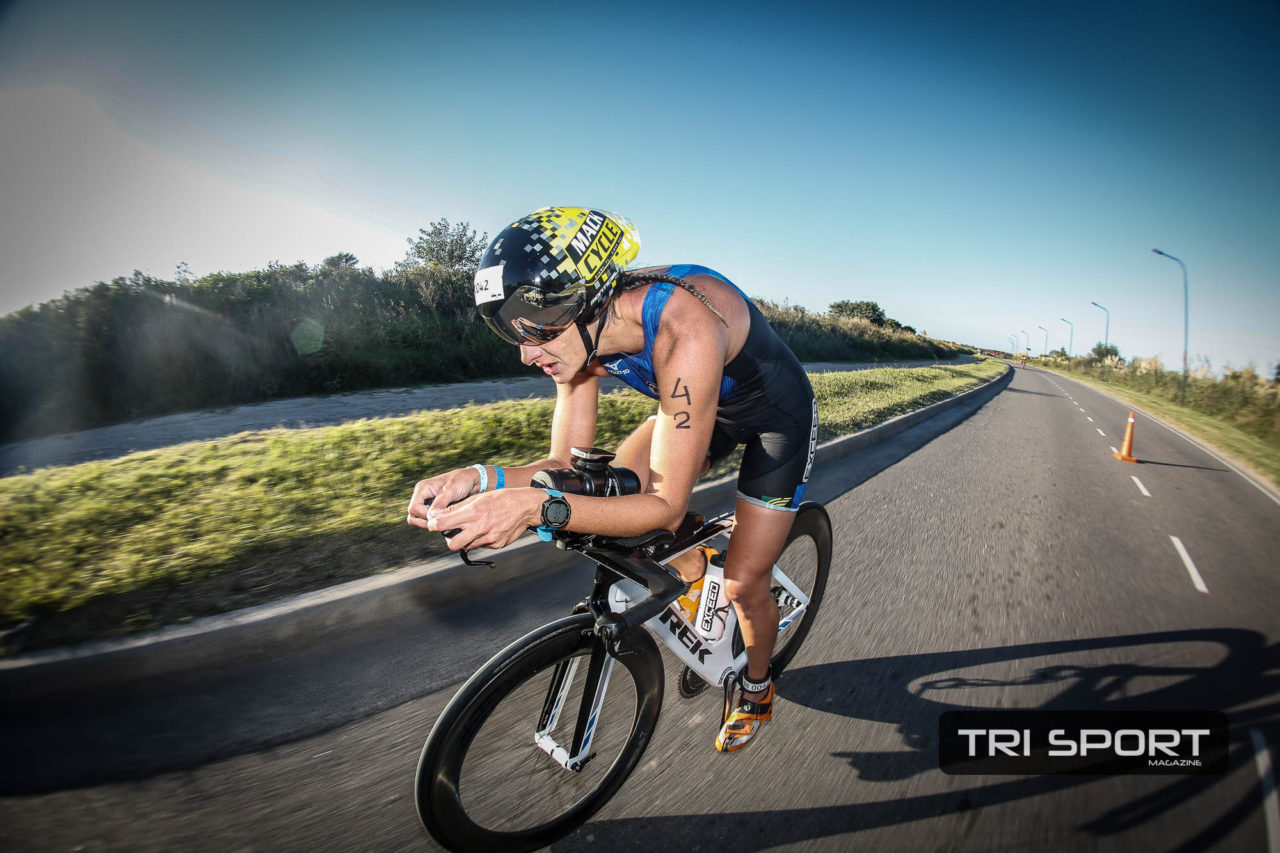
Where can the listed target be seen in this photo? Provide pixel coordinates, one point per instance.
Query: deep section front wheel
(503, 768)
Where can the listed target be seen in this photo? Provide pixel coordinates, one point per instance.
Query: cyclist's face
(557, 357)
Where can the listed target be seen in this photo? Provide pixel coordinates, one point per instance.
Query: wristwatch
(555, 514)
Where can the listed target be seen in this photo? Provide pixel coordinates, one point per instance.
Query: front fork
(596, 684)
(612, 643)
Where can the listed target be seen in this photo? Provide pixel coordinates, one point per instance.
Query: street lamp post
(1024, 331)
(1106, 338)
(1186, 318)
(1044, 351)
(1072, 339)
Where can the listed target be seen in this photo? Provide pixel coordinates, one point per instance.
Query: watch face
(555, 512)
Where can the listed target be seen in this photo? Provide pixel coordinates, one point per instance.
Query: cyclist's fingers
(464, 536)
(454, 487)
(441, 516)
(438, 493)
(424, 493)
(482, 523)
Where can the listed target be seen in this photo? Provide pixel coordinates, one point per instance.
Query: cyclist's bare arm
(688, 355)
(574, 421)
(573, 424)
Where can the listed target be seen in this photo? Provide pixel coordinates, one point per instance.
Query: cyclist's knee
(751, 595)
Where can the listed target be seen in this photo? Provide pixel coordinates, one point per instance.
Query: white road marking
(1089, 419)
(1248, 478)
(1191, 567)
(1081, 410)
(1270, 806)
(1101, 433)
(1113, 450)
(1141, 487)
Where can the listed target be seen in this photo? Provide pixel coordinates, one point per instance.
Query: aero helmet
(553, 268)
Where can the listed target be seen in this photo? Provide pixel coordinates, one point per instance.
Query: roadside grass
(1248, 451)
(104, 549)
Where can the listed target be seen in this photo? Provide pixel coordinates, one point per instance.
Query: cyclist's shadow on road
(912, 691)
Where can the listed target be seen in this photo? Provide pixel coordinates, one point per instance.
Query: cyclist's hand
(430, 497)
(491, 520)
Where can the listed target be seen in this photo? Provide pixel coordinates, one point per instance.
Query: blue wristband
(500, 477)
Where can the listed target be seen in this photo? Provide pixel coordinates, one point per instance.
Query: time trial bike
(541, 737)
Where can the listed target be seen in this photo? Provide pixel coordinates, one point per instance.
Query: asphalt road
(999, 559)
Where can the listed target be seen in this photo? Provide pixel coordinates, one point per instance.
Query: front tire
(483, 783)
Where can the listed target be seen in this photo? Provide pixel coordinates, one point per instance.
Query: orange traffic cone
(1126, 449)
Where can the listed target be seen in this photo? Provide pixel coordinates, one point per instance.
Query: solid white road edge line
(1191, 567)
(1270, 806)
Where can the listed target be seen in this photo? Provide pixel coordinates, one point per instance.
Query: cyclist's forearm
(521, 475)
(629, 515)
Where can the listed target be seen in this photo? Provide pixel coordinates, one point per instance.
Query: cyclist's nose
(529, 354)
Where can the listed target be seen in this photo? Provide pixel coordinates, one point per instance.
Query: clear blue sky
(977, 168)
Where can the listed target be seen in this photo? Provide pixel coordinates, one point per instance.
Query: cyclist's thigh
(757, 540)
(633, 453)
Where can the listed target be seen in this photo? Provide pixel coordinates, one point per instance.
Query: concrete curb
(258, 631)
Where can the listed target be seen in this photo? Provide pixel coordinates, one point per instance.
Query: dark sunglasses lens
(508, 334)
(533, 316)
(542, 334)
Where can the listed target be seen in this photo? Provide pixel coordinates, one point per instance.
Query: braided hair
(634, 281)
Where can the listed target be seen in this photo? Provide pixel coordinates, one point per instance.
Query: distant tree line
(869, 311)
(1246, 398)
(142, 346)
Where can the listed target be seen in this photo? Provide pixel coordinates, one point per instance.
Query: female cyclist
(555, 284)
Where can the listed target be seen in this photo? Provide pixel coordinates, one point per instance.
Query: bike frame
(712, 660)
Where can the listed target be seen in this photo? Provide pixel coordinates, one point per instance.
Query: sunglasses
(531, 315)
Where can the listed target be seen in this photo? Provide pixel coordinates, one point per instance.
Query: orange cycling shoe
(745, 722)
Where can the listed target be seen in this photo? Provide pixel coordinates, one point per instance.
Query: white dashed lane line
(1191, 566)
(1196, 579)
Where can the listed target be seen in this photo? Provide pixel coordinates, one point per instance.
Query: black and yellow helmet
(553, 268)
